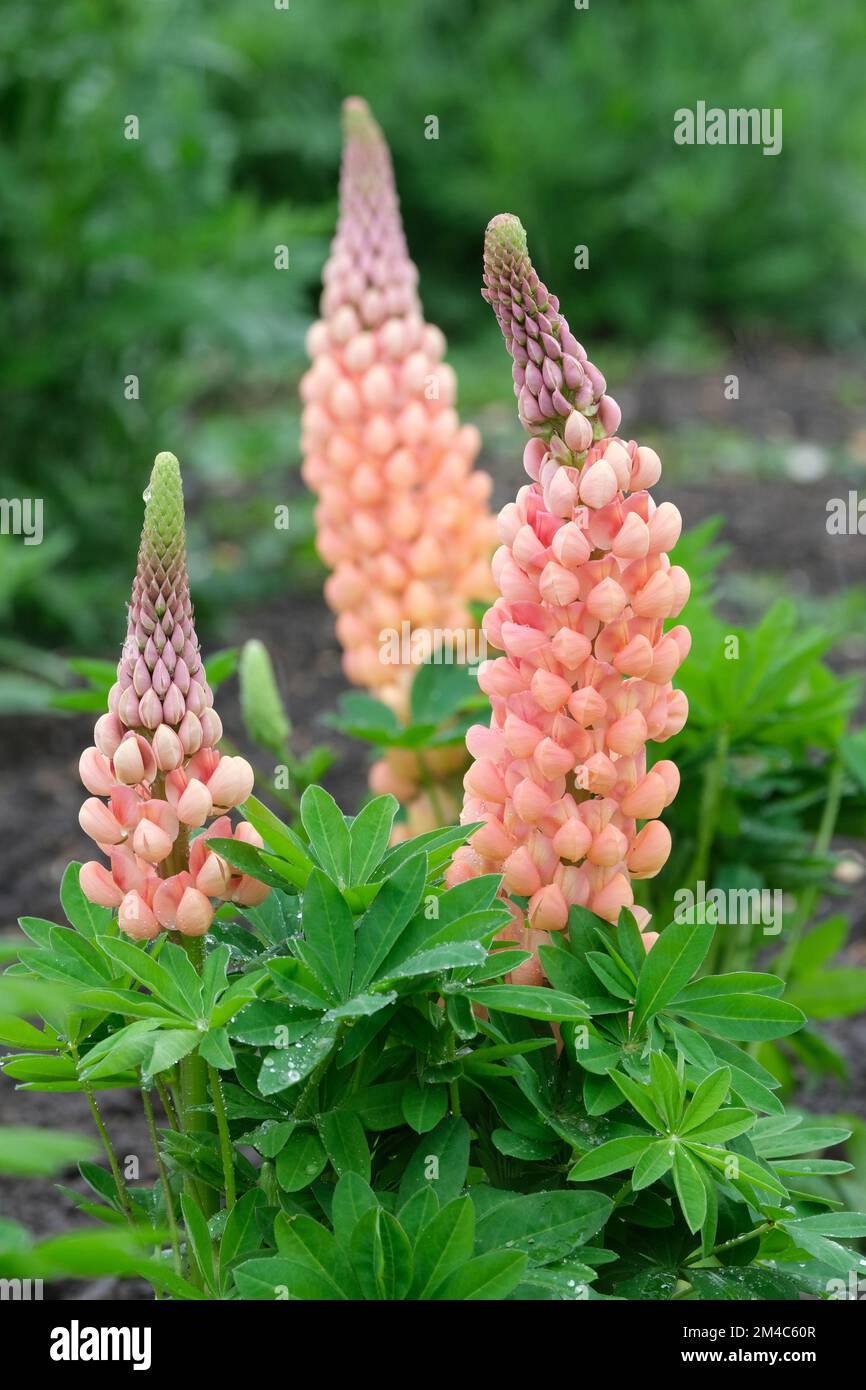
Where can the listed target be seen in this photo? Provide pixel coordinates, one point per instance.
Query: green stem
(163, 1178)
(708, 817)
(729, 1244)
(453, 1086)
(110, 1154)
(216, 1092)
(194, 1094)
(167, 1103)
(809, 898)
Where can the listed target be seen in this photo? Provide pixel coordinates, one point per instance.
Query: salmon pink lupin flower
(154, 770)
(402, 518)
(560, 776)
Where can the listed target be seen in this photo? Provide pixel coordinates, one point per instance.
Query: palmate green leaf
(743, 1017)
(300, 1161)
(666, 1087)
(653, 1163)
(529, 1001)
(241, 1235)
(546, 1225)
(381, 1256)
(613, 1157)
(326, 827)
(513, 1145)
(435, 844)
(424, 1106)
(26, 1151)
(267, 868)
(833, 993)
(259, 1022)
(382, 924)
(199, 1241)
(689, 1187)
(298, 982)
(451, 955)
(819, 945)
(746, 1169)
(362, 1006)
(136, 961)
(799, 1139)
(844, 1225)
(369, 834)
(722, 1126)
(119, 1051)
(287, 1066)
(82, 914)
(353, 1196)
(487, 1278)
(345, 1143)
(834, 1256)
(116, 1252)
(639, 1098)
(216, 1049)
(17, 1032)
(309, 1266)
(669, 966)
(415, 1214)
(612, 978)
(810, 1167)
(708, 1097)
(440, 1162)
(445, 1244)
(329, 934)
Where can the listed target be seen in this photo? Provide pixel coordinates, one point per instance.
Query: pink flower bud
(133, 761)
(195, 804)
(98, 822)
(95, 772)
(167, 748)
(231, 783)
(214, 878)
(649, 851)
(136, 919)
(107, 734)
(194, 913)
(190, 733)
(151, 843)
(249, 892)
(578, 432)
(98, 886)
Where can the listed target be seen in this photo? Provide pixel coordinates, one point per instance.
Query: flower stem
(810, 895)
(110, 1154)
(730, 1244)
(163, 1177)
(194, 1094)
(216, 1091)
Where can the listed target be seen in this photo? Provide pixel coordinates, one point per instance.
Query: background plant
(417, 1131)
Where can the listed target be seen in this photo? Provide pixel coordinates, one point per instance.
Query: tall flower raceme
(560, 776)
(402, 517)
(154, 772)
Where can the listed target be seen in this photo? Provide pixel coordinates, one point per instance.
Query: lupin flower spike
(402, 518)
(560, 777)
(154, 757)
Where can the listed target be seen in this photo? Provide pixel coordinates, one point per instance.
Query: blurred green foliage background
(155, 257)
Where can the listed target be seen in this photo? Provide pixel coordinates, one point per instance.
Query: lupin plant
(402, 517)
(560, 778)
(154, 771)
